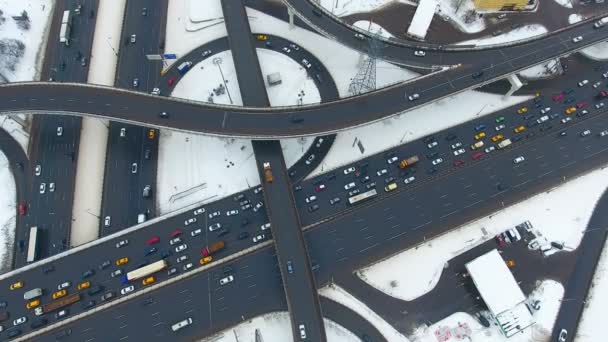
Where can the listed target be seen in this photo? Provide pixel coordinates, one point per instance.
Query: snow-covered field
(7, 214)
(524, 32)
(412, 125)
(22, 51)
(540, 71)
(276, 327)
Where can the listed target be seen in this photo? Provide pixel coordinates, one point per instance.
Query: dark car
(516, 138)
(147, 154)
(95, 290)
(105, 264)
(107, 296)
(243, 235)
(450, 136)
(88, 273)
(88, 305)
(165, 254)
(313, 208)
(477, 74)
(331, 176)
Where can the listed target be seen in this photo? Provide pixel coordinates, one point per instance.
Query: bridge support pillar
(516, 84)
(290, 13)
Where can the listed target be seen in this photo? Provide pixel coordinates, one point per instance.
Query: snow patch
(373, 28)
(598, 52)
(565, 3)
(574, 18)
(8, 208)
(524, 32)
(543, 70)
(560, 214)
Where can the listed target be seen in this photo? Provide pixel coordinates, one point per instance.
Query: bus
(144, 271)
(362, 197)
(32, 248)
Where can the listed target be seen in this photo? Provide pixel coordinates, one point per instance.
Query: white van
(181, 324)
(141, 218)
(33, 293)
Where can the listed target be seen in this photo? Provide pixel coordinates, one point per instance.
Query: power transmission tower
(365, 79)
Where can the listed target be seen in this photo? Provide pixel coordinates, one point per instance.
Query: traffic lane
(388, 224)
(312, 158)
(255, 290)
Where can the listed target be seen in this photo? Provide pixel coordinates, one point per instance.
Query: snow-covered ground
(540, 71)
(560, 214)
(463, 327)
(565, 3)
(598, 51)
(595, 307)
(373, 28)
(524, 32)
(276, 327)
(339, 295)
(412, 125)
(22, 51)
(574, 18)
(8, 207)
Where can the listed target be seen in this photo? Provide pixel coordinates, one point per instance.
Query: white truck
(504, 143)
(66, 24)
(601, 22)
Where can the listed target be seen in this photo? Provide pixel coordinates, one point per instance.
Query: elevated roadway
(258, 123)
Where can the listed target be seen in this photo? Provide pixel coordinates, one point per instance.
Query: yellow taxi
(122, 261)
(148, 280)
(59, 294)
(497, 137)
(519, 129)
(151, 133)
(522, 110)
(480, 135)
(205, 260)
(16, 285)
(261, 37)
(570, 110)
(84, 285)
(32, 304)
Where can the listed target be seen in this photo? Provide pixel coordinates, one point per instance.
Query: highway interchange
(337, 236)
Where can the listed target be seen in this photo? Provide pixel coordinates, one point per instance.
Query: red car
(581, 105)
(458, 162)
(153, 240)
(320, 187)
(22, 209)
(171, 81)
(176, 233)
(558, 97)
(477, 155)
(603, 93)
(500, 240)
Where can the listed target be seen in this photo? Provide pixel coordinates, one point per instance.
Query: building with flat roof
(497, 5)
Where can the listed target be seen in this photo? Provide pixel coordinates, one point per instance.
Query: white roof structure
(495, 282)
(422, 19)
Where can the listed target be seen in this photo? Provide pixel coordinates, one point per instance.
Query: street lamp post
(218, 61)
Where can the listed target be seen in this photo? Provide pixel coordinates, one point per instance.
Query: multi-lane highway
(295, 121)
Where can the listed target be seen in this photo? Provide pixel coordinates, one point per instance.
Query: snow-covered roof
(422, 18)
(495, 282)
(515, 320)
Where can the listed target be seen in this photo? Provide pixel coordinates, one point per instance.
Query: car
(437, 161)
(181, 247)
(135, 82)
(258, 206)
(59, 294)
(189, 221)
(243, 235)
(563, 334)
(500, 119)
(153, 240)
(577, 39)
(480, 127)
(570, 110)
(477, 155)
(214, 214)
(61, 313)
(134, 168)
(199, 211)
(20, 320)
(489, 149)
(432, 144)
(603, 133)
(32, 304)
(313, 208)
(133, 39)
(529, 117)
(365, 179)
(522, 110)
(477, 74)
(349, 170)
(122, 243)
(370, 185)
(122, 261)
(419, 53)
(151, 133)
(227, 280)
(320, 187)
(392, 160)
(499, 127)
(205, 260)
(599, 105)
(258, 190)
(181, 258)
(519, 129)
(480, 135)
(116, 273)
(458, 163)
(52, 187)
(42, 188)
(265, 226)
(569, 100)
(232, 212)
(558, 97)
(597, 84)
(83, 62)
(172, 271)
(545, 110)
(456, 145)
(148, 280)
(409, 180)
(310, 159)
(477, 145)
(196, 232)
(334, 200)
(163, 115)
(306, 63)
(83, 285)
(381, 172)
(459, 151)
(88, 273)
(302, 329)
(59, 131)
(311, 199)
(286, 49)
(353, 192)
(582, 83)
(413, 97)
(349, 186)
(565, 120)
(497, 137)
(106, 221)
(258, 238)
(554, 116)
(542, 119)
(289, 266)
(105, 265)
(206, 53)
(127, 289)
(107, 296)
(215, 226)
(518, 160)
(585, 133)
(389, 180)
(582, 113)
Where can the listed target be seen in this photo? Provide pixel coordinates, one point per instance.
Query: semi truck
(213, 248)
(57, 304)
(64, 32)
(601, 22)
(408, 162)
(267, 172)
(184, 67)
(504, 143)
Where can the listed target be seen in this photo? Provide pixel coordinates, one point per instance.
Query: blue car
(479, 127)
(150, 251)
